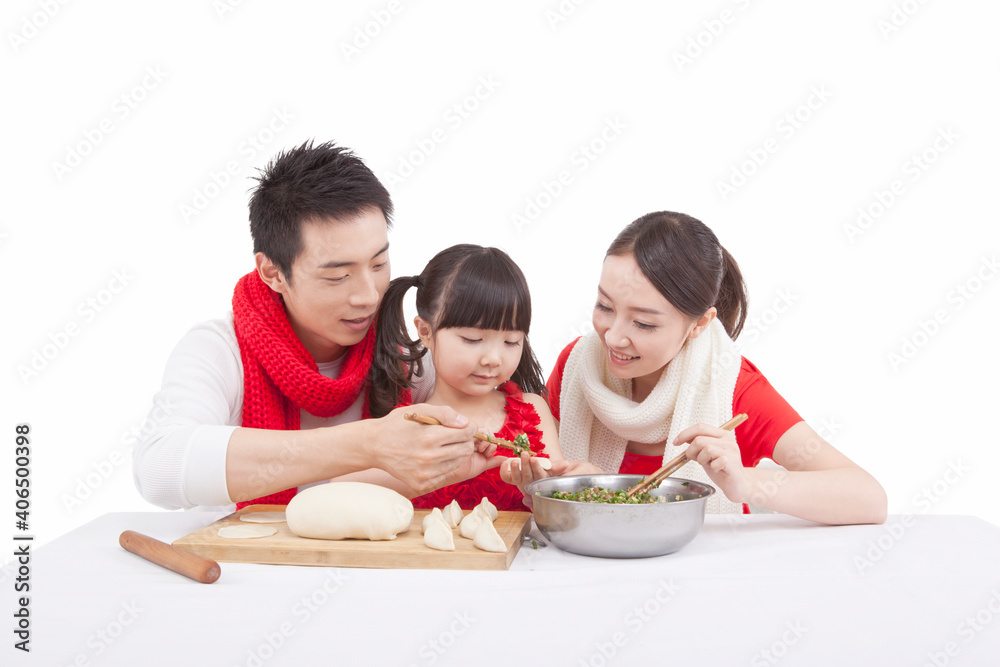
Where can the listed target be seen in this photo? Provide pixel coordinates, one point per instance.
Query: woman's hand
(565, 467)
(717, 452)
(816, 482)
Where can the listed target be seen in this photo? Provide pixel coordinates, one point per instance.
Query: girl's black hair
(684, 260)
(463, 286)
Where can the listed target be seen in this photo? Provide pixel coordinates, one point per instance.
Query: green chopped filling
(596, 494)
(521, 441)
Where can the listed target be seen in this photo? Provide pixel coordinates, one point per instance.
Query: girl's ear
(702, 324)
(424, 332)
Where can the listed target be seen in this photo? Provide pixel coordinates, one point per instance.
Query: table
(757, 590)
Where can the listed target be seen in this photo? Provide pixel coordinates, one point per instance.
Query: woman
(660, 372)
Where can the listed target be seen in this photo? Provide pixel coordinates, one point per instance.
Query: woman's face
(641, 330)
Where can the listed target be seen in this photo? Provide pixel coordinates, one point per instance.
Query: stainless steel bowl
(619, 531)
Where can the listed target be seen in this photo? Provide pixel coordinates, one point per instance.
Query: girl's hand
(520, 470)
(524, 469)
(717, 452)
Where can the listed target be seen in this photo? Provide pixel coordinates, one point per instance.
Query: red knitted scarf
(280, 377)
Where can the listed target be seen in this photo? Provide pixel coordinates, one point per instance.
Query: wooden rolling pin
(180, 561)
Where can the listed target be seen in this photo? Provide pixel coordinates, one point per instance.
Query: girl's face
(641, 330)
(473, 361)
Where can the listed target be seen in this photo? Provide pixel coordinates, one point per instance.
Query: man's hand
(425, 457)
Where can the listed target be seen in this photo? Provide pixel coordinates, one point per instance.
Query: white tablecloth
(760, 590)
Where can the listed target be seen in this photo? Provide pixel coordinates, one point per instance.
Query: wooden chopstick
(675, 463)
(499, 442)
(421, 419)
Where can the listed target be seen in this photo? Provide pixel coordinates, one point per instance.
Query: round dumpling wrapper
(263, 517)
(248, 531)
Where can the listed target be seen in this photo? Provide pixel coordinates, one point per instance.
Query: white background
(228, 78)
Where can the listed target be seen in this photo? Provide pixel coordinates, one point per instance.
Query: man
(272, 397)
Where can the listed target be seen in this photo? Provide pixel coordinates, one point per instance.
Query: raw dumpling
(472, 520)
(488, 539)
(263, 517)
(489, 508)
(245, 532)
(341, 510)
(434, 515)
(438, 534)
(453, 513)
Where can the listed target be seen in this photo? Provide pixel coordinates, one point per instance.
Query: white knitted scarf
(697, 386)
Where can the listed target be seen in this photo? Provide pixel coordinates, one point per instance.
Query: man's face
(338, 280)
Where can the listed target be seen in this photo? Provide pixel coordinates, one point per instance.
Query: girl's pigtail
(528, 375)
(396, 357)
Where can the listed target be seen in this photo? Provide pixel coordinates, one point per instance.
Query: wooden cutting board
(407, 551)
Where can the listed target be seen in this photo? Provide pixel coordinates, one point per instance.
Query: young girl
(660, 372)
(473, 316)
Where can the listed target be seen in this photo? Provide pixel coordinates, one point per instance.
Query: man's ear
(702, 323)
(270, 273)
(424, 332)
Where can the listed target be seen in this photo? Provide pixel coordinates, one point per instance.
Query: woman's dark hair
(305, 183)
(463, 286)
(684, 260)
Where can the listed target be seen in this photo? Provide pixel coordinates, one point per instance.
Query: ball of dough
(341, 510)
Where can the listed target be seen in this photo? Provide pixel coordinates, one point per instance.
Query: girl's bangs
(487, 294)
